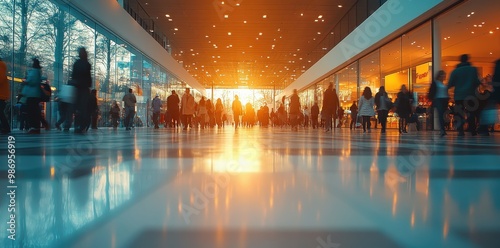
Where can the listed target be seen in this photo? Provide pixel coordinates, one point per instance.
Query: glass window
(392, 73)
(471, 28)
(417, 56)
(369, 67)
(347, 85)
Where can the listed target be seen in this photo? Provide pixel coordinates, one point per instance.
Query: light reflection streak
(394, 203)
(412, 220)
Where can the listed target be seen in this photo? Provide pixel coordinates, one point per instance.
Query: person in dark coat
(330, 105)
(93, 109)
(403, 108)
(294, 110)
(82, 80)
(354, 115)
(115, 114)
(383, 104)
(173, 110)
(314, 115)
(465, 80)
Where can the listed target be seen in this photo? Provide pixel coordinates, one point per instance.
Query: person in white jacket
(365, 106)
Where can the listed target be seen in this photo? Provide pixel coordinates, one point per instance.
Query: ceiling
(247, 43)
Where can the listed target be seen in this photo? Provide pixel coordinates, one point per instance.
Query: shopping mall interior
(252, 185)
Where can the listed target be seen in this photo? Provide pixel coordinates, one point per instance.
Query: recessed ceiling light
(176, 29)
(340, 5)
(170, 20)
(316, 20)
(228, 33)
(264, 16)
(320, 16)
(245, 22)
(167, 15)
(260, 34)
(226, 16)
(301, 14)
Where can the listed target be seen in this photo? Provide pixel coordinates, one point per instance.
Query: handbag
(67, 93)
(489, 116)
(358, 121)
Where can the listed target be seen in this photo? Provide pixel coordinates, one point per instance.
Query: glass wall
(471, 28)
(52, 32)
(347, 88)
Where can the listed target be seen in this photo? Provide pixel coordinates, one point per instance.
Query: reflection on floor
(259, 187)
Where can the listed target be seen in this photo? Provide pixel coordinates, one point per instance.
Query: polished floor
(256, 188)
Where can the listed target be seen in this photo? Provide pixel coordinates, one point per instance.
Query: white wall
(110, 14)
(390, 17)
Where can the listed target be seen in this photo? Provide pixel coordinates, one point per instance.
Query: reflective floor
(259, 187)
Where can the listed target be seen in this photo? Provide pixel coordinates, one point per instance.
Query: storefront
(471, 27)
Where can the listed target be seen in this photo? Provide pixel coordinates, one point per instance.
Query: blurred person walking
(188, 106)
(219, 109)
(294, 110)
(366, 110)
(129, 102)
(314, 115)
(384, 104)
(156, 105)
(31, 93)
(330, 105)
(115, 114)
(93, 109)
(172, 114)
(237, 111)
(403, 108)
(465, 81)
(354, 115)
(82, 80)
(438, 94)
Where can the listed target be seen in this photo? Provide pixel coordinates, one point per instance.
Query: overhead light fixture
(167, 15)
(264, 16)
(320, 16)
(226, 16)
(340, 5)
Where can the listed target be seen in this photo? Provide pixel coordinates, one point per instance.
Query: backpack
(46, 92)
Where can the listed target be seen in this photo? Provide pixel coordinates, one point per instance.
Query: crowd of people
(473, 109)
